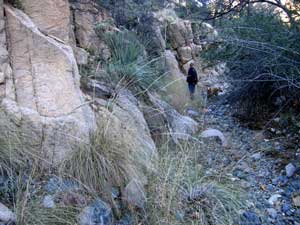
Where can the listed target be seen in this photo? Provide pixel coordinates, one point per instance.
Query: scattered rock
(290, 169)
(274, 198)
(126, 220)
(251, 217)
(215, 133)
(134, 194)
(56, 184)
(256, 156)
(48, 202)
(192, 113)
(272, 213)
(98, 213)
(71, 198)
(286, 207)
(296, 201)
(6, 215)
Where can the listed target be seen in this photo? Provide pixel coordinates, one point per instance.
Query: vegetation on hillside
(129, 62)
(263, 55)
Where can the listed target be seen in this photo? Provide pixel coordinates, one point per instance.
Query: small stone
(272, 213)
(256, 156)
(215, 133)
(192, 113)
(274, 198)
(179, 216)
(56, 184)
(96, 213)
(286, 207)
(134, 194)
(2, 78)
(290, 169)
(6, 215)
(48, 202)
(251, 217)
(296, 201)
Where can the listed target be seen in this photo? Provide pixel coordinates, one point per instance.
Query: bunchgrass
(181, 193)
(101, 165)
(129, 61)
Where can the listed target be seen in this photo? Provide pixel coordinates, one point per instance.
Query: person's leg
(192, 90)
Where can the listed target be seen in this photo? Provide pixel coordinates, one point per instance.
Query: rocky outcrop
(52, 17)
(176, 88)
(150, 29)
(42, 99)
(87, 16)
(124, 127)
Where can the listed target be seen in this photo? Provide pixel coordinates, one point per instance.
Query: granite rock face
(52, 17)
(42, 99)
(90, 22)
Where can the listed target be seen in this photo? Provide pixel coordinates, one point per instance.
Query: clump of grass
(181, 193)
(129, 60)
(16, 3)
(102, 164)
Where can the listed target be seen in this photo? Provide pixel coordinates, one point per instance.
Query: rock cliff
(42, 98)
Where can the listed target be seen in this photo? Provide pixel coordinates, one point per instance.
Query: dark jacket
(192, 77)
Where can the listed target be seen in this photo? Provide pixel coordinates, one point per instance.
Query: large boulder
(42, 99)
(52, 17)
(125, 128)
(150, 29)
(203, 33)
(181, 127)
(180, 33)
(176, 87)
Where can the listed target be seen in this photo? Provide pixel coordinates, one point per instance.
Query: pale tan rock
(186, 66)
(176, 87)
(81, 55)
(185, 54)
(180, 33)
(2, 78)
(44, 102)
(124, 126)
(134, 194)
(203, 32)
(215, 133)
(87, 14)
(3, 51)
(6, 215)
(50, 16)
(196, 50)
(181, 127)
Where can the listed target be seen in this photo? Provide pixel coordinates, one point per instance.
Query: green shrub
(262, 53)
(181, 193)
(101, 165)
(16, 3)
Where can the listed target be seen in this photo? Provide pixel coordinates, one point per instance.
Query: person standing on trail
(192, 80)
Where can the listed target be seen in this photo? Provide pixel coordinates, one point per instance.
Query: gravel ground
(256, 163)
